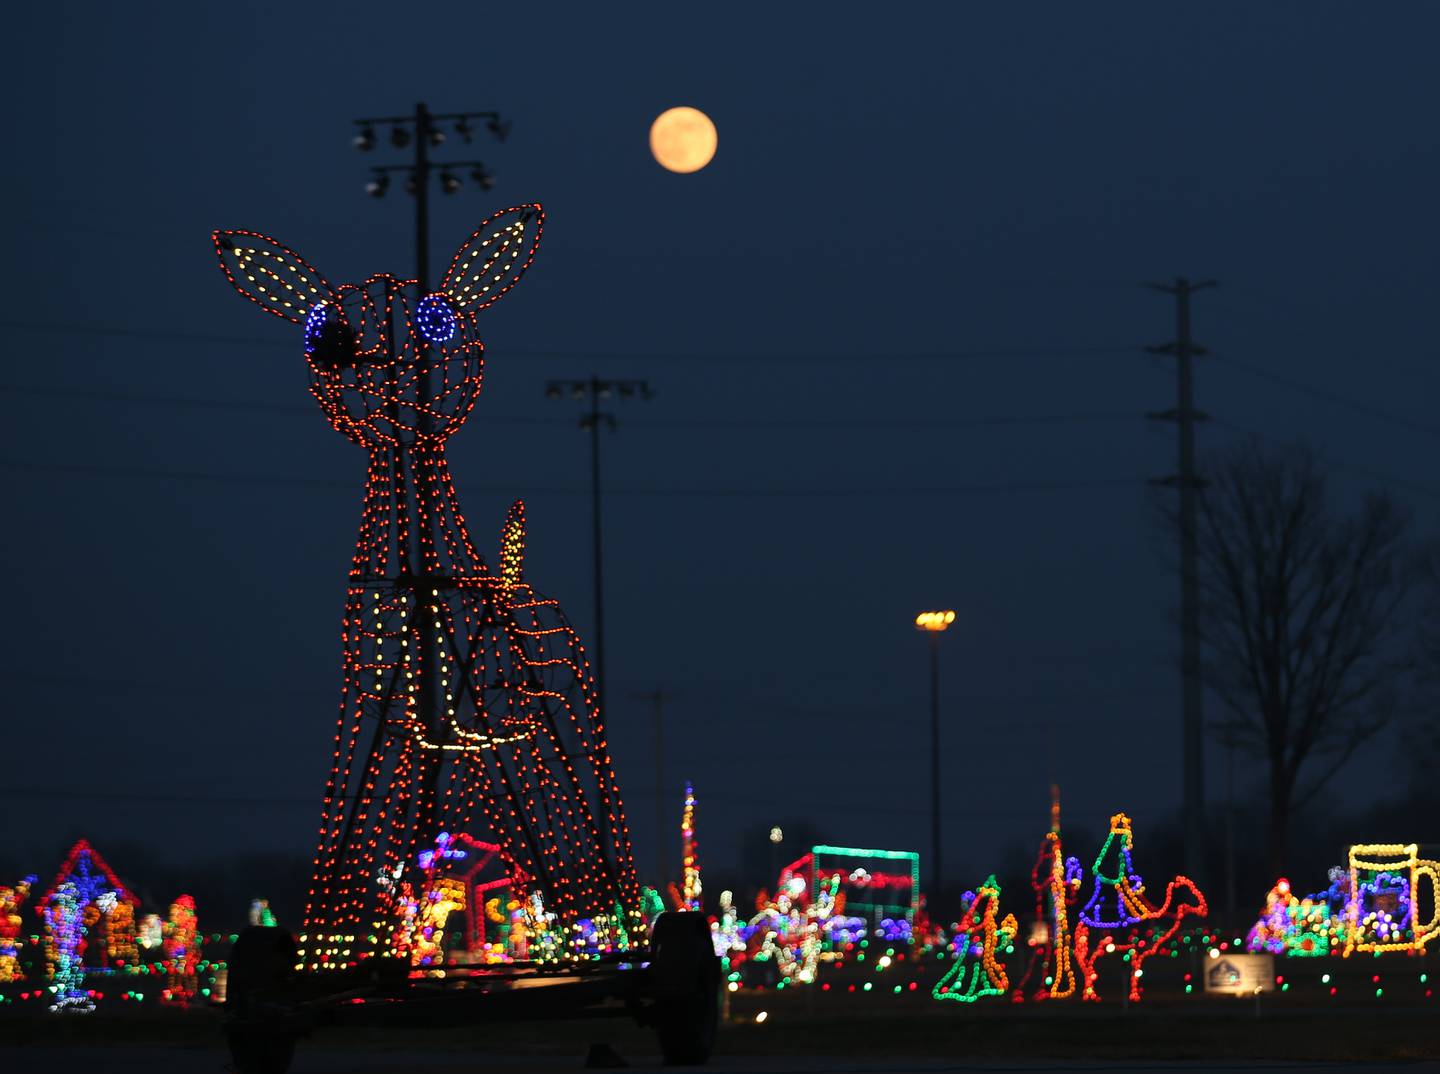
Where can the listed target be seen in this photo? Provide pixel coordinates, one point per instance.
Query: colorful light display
(977, 946)
(182, 949)
(1380, 912)
(1055, 879)
(64, 949)
(1118, 905)
(466, 694)
(489, 905)
(690, 854)
(151, 933)
(11, 926)
(874, 884)
(260, 914)
(119, 916)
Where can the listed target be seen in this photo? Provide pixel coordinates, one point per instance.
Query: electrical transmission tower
(1188, 481)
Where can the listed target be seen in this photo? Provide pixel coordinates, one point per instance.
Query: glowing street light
(934, 621)
(776, 835)
(934, 624)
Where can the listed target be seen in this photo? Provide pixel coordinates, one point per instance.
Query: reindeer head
(388, 365)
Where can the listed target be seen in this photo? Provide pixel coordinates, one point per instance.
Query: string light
(474, 691)
(1380, 911)
(120, 947)
(11, 927)
(260, 914)
(1055, 879)
(65, 934)
(690, 854)
(869, 884)
(987, 976)
(182, 949)
(1118, 905)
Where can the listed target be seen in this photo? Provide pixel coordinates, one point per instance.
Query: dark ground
(832, 1035)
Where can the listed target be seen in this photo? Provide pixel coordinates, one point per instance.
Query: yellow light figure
(1369, 930)
(442, 897)
(11, 925)
(120, 948)
(1063, 889)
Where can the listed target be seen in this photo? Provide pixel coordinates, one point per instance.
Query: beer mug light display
(1382, 910)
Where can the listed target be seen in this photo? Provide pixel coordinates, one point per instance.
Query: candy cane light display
(467, 697)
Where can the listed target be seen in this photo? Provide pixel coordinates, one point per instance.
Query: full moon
(683, 139)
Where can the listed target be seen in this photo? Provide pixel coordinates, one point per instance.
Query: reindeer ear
(274, 277)
(494, 258)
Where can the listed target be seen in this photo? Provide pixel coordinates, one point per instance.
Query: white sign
(1239, 975)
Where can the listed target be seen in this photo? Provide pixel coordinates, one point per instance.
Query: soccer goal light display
(875, 884)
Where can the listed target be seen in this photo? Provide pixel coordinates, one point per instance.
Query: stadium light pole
(934, 624)
(593, 391)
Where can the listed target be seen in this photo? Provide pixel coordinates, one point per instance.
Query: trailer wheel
(261, 959)
(686, 975)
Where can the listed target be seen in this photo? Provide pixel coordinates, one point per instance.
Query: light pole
(934, 624)
(776, 835)
(657, 699)
(426, 131)
(595, 390)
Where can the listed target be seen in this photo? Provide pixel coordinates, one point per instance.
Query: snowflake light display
(1118, 908)
(467, 696)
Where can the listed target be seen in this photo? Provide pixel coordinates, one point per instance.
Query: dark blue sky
(916, 225)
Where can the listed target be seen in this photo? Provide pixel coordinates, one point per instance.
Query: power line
(1189, 484)
(1330, 397)
(782, 424)
(310, 801)
(1331, 460)
(516, 490)
(57, 327)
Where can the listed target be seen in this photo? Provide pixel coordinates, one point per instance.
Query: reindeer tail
(512, 550)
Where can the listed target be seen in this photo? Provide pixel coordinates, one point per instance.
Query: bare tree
(1300, 612)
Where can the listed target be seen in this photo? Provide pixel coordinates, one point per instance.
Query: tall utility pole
(594, 390)
(934, 624)
(426, 131)
(657, 700)
(1188, 481)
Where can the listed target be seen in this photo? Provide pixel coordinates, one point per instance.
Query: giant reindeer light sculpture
(467, 698)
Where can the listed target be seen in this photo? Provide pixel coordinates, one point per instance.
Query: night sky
(895, 332)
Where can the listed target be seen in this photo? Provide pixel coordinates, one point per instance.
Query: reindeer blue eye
(315, 325)
(435, 319)
(329, 342)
